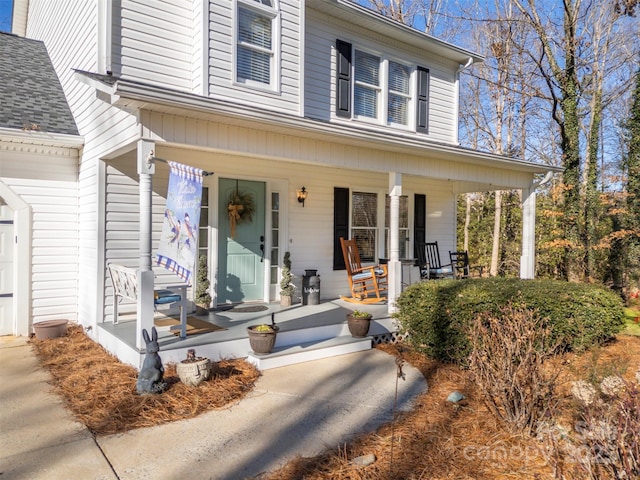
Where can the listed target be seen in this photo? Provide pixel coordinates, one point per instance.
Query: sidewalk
(293, 411)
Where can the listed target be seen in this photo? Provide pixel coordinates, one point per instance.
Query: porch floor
(298, 324)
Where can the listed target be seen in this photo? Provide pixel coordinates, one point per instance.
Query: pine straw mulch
(101, 391)
(439, 440)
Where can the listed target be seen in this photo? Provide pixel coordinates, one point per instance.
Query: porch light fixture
(302, 195)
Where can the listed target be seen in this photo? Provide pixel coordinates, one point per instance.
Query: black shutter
(343, 79)
(419, 222)
(340, 224)
(422, 114)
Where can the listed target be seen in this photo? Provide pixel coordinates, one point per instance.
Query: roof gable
(32, 97)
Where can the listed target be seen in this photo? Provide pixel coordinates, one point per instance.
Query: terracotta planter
(358, 326)
(262, 342)
(194, 372)
(285, 300)
(50, 329)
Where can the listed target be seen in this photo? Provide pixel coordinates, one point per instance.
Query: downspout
(465, 66)
(457, 95)
(546, 179)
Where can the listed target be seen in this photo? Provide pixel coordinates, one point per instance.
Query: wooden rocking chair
(367, 284)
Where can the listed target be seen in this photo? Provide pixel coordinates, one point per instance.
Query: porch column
(146, 169)
(394, 266)
(528, 258)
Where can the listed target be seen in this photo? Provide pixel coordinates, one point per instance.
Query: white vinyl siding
(284, 92)
(69, 29)
(156, 42)
(242, 140)
(321, 34)
(48, 184)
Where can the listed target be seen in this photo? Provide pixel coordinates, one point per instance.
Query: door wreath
(241, 208)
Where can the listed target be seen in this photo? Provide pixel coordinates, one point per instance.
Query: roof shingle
(31, 97)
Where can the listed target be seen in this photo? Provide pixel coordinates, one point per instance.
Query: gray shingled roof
(31, 96)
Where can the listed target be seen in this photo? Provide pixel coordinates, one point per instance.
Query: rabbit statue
(152, 371)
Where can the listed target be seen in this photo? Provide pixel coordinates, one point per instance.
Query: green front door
(241, 244)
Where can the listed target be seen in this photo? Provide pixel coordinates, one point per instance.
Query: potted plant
(286, 283)
(262, 337)
(203, 299)
(194, 370)
(358, 323)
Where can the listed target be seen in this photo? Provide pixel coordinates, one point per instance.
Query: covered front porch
(307, 332)
(388, 190)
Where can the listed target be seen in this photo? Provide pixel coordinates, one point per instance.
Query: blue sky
(5, 15)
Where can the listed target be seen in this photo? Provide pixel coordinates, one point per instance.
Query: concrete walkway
(293, 411)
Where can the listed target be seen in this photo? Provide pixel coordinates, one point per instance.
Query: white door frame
(22, 227)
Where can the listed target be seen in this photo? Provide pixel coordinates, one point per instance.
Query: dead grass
(437, 440)
(101, 391)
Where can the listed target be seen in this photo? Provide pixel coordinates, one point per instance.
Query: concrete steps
(305, 352)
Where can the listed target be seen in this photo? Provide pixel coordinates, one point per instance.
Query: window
(256, 51)
(368, 94)
(399, 94)
(202, 284)
(355, 215)
(403, 226)
(384, 90)
(370, 98)
(275, 235)
(364, 224)
(367, 85)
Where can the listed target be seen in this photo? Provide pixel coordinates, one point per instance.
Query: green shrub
(436, 314)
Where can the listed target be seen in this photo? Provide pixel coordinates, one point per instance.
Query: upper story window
(256, 42)
(374, 88)
(399, 97)
(366, 91)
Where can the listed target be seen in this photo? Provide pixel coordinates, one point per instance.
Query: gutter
(31, 137)
(130, 95)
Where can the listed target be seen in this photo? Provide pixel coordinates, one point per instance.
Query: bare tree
(574, 56)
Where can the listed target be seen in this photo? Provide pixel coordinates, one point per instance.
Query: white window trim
(274, 14)
(383, 91)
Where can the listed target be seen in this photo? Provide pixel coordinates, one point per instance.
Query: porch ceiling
(134, 96)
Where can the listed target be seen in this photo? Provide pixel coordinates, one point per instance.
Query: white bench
(125, 286)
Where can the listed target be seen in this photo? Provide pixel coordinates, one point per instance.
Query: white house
(270, 96)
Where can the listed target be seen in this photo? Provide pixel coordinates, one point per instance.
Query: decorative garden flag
(178, 246)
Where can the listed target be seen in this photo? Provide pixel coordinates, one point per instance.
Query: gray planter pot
(358, 326)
